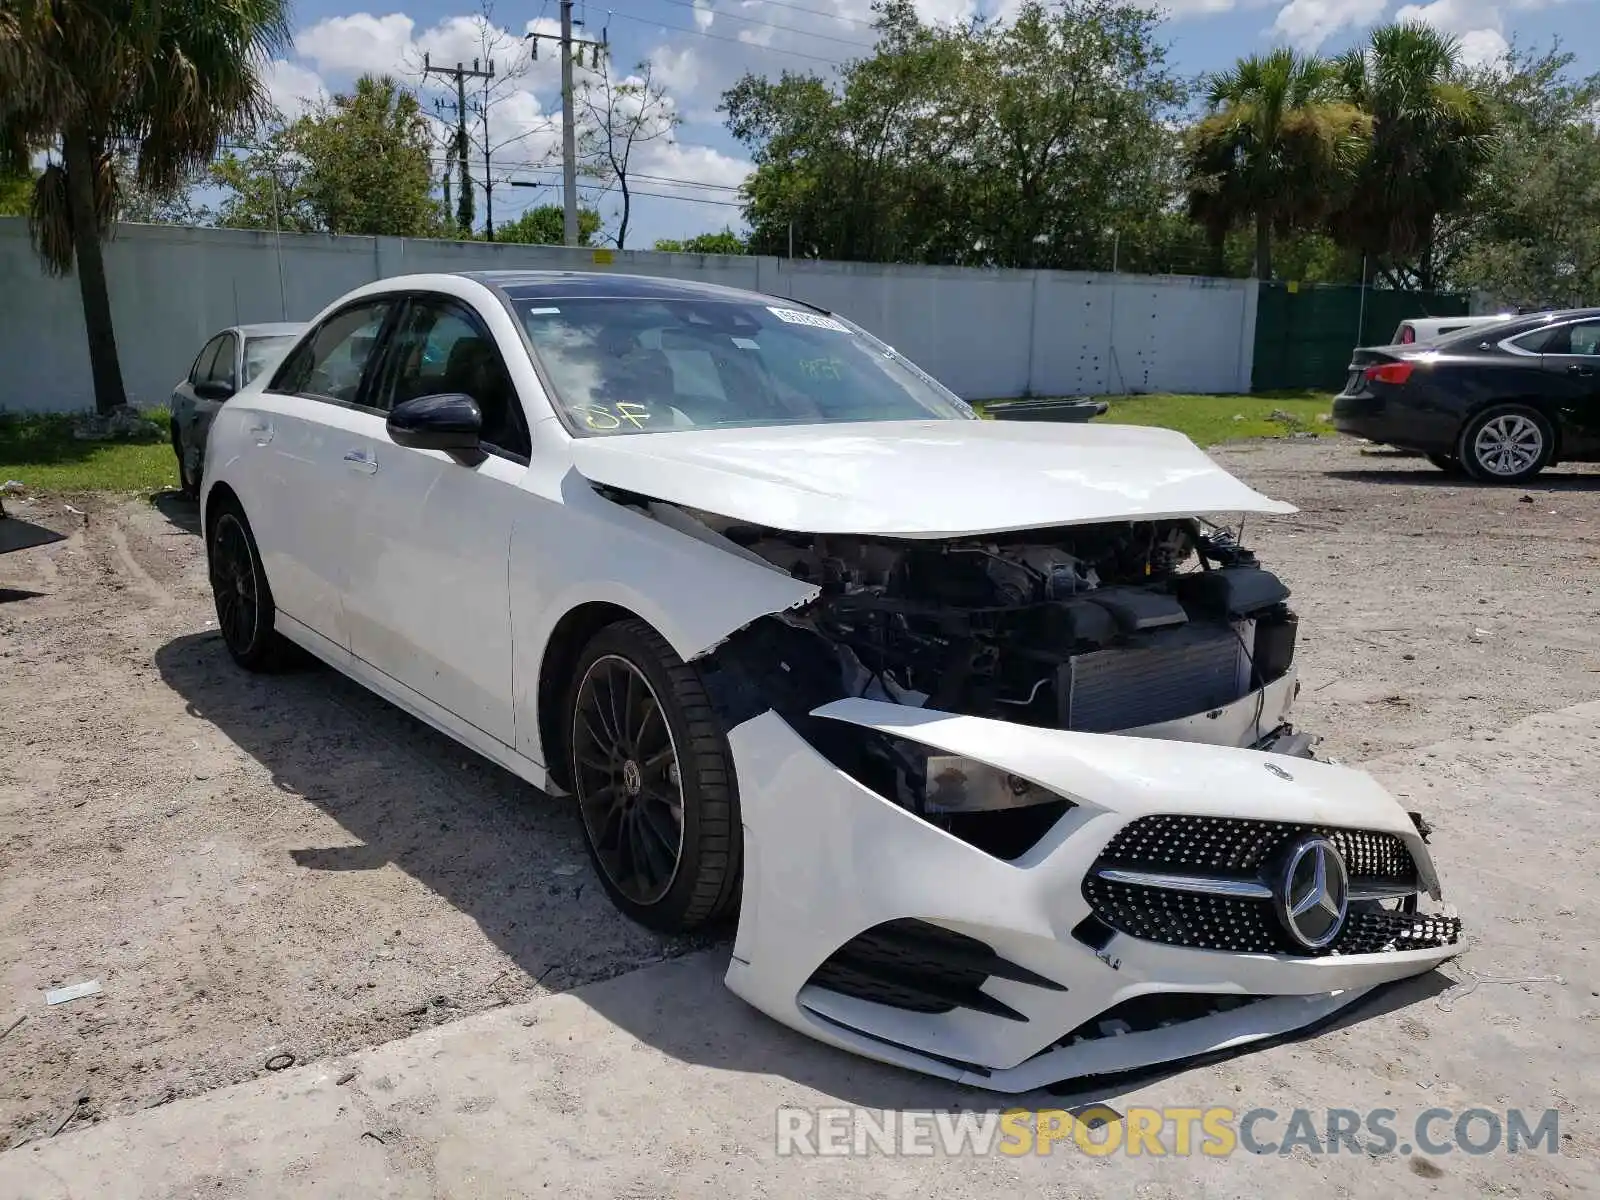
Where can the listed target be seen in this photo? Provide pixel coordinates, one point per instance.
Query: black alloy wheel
(653, 779)
(628, 780)
(245, 612)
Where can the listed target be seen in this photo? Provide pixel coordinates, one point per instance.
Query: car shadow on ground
(183, 511)
(490, 846)
(1588, 481)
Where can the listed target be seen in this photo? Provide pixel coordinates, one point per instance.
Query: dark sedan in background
(1499, 402)
(225, 364)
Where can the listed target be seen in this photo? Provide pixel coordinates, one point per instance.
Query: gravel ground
(289, 866)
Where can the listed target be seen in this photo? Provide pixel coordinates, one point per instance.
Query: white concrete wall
(985, 334)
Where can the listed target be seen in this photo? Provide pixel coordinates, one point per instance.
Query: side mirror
(451, 422)
(211, 390)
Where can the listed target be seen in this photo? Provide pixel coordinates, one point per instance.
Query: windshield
(632, 365)
(261, 352)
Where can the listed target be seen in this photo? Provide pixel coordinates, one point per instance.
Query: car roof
(1512, 327)
(608, 285)
(272, 329)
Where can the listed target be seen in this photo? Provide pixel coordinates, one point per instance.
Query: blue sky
(696, 48)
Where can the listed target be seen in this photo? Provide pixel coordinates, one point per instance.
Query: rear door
(301, 427)
(428, 601)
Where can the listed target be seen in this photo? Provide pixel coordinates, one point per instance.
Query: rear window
(261, 352)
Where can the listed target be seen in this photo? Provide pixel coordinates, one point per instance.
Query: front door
(301, 426)
(428, 601)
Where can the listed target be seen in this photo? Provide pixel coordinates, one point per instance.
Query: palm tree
(1432, 136)
(160, 82)
(1277, 148)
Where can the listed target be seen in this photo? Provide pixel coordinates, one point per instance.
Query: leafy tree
(1277, 150)
(359, 164)
(85, 78)
(726, 242)
(1532, 236)
(1431, 136)
(614, 118)
(546, 226)
(1020, 144)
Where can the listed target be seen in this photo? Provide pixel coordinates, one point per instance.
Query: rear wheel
(187, 480)
(245, 612)
(1508, 443)
(654, 782)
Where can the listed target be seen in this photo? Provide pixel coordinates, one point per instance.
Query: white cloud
(1309, 23)
(293, 88)
(357, 43)
(1478, 25)
(703, 14)
(1483, 47)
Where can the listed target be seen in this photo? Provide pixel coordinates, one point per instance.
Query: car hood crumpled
(922, 479)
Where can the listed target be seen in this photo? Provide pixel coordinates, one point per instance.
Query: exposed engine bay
(1095, 628)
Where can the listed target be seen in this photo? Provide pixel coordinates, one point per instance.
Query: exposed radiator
(1161, 677)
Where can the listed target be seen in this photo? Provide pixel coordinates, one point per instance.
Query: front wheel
(1508, 443)
(653, 778)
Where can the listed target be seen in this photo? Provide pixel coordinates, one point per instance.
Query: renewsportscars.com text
(1160, 1132)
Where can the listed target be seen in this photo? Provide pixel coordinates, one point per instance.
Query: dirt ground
(289, 867)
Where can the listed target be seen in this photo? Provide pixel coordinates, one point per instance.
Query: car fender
(579, 548)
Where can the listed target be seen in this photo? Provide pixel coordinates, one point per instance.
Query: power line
(632, 191)
(735, 41)
(771, 25)
(525, 165)
(815, 12)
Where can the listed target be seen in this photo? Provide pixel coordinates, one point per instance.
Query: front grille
(1161, 677)
(918, 967)
(1247, 926)
(1241, 849)
(1236, 846)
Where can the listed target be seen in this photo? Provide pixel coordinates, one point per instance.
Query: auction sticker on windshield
(816, 320)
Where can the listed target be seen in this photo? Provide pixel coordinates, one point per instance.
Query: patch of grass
(39, 451)
(1208, 420)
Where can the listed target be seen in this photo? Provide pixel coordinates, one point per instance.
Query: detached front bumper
(871, 929)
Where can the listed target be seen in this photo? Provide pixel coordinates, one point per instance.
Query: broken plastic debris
(76, 991)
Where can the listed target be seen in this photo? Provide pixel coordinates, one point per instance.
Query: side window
(1584, 338)
(222, 365)
(201, 371)
(1543, 341)
(443, 347)
(329, 364)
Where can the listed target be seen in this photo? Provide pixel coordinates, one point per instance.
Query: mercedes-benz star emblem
(1313, 892)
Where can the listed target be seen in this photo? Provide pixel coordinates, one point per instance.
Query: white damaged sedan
(981, 729)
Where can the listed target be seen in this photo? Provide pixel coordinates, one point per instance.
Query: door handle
(261, 431)
(1579, 369)
(360, 460)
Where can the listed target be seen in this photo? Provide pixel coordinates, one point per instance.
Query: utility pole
(569, 139)
(463, 160)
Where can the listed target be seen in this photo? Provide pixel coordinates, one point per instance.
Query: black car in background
(1499, 402)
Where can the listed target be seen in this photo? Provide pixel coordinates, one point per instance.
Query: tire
(1449, 464)
(1507, 443)
(188, 484)
(627, 771)
(243, 598)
